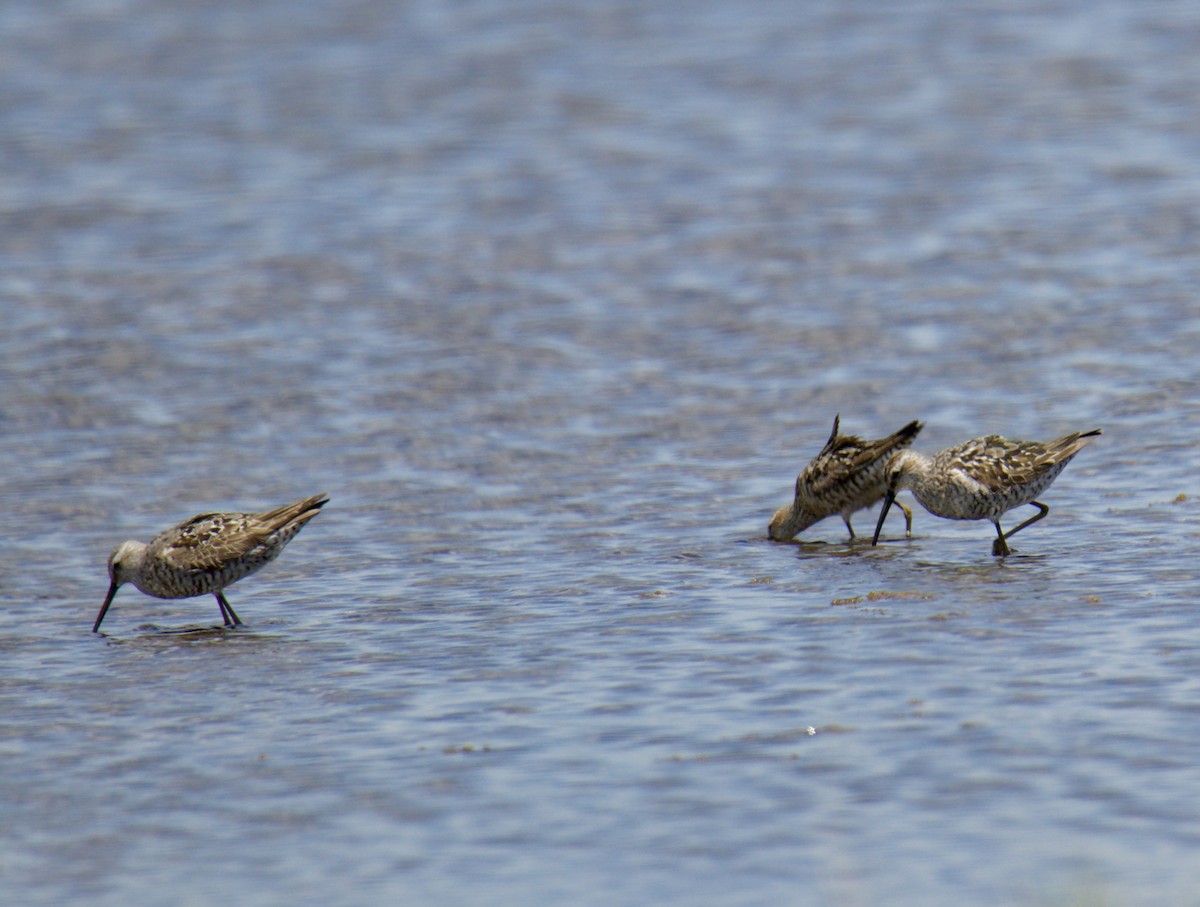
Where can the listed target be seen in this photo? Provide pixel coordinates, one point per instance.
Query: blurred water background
(555, 299)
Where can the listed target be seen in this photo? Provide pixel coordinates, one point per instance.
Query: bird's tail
(905, 436)
(1069, 445)
(296, 514)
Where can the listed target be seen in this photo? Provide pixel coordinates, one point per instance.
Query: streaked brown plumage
(845, 477)
(982, 479)
(206, 554)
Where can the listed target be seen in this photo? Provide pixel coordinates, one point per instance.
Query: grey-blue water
(555, 299)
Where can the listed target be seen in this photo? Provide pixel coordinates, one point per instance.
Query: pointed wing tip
(316, 502)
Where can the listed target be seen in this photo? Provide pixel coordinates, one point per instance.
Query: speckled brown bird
(845, 477)
(206, 554)
(982, 479)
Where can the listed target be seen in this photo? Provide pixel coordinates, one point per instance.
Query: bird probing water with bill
(207, 553)
(982, 479)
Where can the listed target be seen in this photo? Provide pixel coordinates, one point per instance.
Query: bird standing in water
(982, 479)
(206, 554)
(846, 476)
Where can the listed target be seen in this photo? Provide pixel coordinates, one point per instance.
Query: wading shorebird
(846, 476)
(982, 479)
(206, 554)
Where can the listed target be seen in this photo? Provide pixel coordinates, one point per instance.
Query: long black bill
(108, 600)
(888, 500)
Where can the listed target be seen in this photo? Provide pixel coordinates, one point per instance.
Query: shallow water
(555, 302)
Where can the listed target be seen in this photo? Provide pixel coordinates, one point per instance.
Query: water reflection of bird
(846, 476)
(982, 479)
(206, 554)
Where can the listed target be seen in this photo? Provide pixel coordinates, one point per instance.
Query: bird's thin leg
(227, 611)
(1042, 511)
(999, 546)
(846, 520)
(224, 614)
(907, 520)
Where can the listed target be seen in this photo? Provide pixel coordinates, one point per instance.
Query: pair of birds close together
(981, 479)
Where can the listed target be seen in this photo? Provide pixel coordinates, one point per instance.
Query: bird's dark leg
(227, 613)
(846, 520)
(221, 605)
(888, 501)
(1042, 511)
(999, 546)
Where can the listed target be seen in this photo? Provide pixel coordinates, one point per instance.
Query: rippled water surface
(554, 300)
